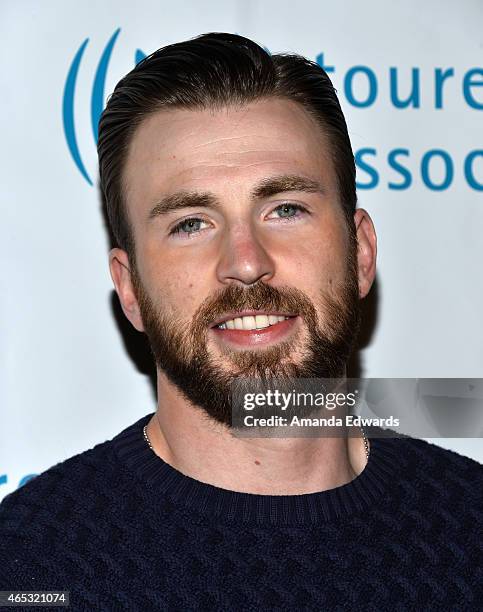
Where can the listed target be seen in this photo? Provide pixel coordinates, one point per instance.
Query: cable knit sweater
(123, 530)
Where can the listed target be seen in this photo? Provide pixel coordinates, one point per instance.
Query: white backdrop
(66, 381)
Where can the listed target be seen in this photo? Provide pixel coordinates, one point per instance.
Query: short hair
(213, 71)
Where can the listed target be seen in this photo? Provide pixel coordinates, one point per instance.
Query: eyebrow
(265, 189)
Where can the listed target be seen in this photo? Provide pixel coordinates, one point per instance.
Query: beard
(180, 349)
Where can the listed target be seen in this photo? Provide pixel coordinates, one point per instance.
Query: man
(229, 182)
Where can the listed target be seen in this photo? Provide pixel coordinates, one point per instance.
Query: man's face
(244, 262)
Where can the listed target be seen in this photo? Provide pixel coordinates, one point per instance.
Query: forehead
(222, 149)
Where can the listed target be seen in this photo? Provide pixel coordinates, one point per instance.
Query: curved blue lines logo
(97, 98)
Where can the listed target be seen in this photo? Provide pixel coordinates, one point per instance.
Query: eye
(289, 211)
(187, 226)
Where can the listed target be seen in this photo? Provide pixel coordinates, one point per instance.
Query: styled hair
(214, 70)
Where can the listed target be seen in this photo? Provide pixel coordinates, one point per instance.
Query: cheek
(317, 263)
(181, 294)
(177, 287)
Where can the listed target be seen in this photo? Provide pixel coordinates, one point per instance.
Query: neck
(184, 438)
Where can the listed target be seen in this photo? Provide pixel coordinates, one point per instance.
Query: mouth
(250, 320)
(254, 327)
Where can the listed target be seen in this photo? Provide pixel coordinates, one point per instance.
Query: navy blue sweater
(122, 530)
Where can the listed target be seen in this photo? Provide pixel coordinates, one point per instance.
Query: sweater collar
(368, 489)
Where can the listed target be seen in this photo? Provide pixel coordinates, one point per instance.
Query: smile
(254, 329)
(252, 322)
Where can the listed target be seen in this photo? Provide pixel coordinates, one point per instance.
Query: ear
(121, 277)
(366, 250)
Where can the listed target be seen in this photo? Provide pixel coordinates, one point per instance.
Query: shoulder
(441, 476)
(72, 481)
(49, 518)
(435, 456)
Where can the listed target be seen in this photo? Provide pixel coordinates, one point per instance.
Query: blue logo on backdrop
(97, 98)
(22, 481)
(361, 89)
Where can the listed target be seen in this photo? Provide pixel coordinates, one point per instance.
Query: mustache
(254, 297)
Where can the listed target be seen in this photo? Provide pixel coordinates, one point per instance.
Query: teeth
(261, 321)
(249, 322)
(252, 322)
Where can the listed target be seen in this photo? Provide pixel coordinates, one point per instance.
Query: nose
(243, 258)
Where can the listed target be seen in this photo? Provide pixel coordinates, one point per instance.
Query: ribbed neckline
(369, 488)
